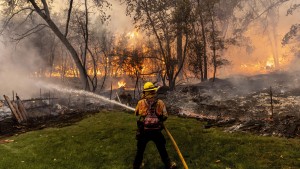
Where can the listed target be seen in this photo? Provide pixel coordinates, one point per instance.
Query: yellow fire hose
(174, 143)
(176, 148)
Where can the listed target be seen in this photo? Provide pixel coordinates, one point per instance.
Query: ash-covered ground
(237, 104)
(243, 103)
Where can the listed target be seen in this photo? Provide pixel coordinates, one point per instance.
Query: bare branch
(29, 15)
(86, 39)
(153, 28)
(46, 8)
(270, 7)
(12, 16)
(31, 31)
(38, 9)
(69, 16)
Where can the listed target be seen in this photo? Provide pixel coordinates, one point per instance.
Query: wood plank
(22, 108)
(12, 108)
(17, 110)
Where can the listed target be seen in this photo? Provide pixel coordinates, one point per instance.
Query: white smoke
(17, 62)
(119, 22)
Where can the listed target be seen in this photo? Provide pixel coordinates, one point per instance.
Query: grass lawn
(107, 141)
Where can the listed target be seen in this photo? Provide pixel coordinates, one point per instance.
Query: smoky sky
(18, 62)
(119, 21)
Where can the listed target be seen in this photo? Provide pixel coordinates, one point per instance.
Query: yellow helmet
(148, 86)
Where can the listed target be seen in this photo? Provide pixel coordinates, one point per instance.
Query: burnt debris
(246, 104)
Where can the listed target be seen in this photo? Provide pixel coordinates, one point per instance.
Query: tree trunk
(198, 49)
(65, 41)
(136, 83)
(105, 70)
(213, 45)
(205, 68)
(179, 47)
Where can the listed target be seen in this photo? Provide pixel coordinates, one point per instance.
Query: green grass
(107, 141)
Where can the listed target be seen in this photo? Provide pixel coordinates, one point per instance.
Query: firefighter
(151, 112)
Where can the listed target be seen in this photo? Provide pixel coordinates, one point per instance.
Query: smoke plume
(17, 64)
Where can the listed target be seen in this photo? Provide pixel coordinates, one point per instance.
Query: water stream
(82, 92)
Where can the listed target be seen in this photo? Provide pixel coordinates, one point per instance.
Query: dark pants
(158, 138)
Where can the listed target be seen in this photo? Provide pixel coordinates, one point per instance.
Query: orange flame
(270, 63)
(121, 84)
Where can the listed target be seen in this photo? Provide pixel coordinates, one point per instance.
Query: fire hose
(176, 148)
(125, 106)
(173, 142)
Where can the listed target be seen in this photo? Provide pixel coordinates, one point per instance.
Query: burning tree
(168, 23)
(217, 25)
(133, 65)
(205, 26)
